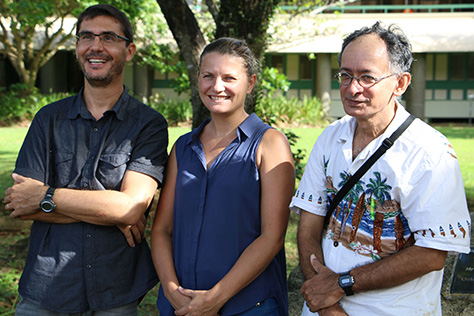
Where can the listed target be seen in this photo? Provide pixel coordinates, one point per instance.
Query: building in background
(305, 48)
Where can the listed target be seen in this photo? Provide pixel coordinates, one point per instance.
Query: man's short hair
(398, 46)
(110, 11)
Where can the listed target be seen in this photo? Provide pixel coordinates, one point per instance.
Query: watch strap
(50, 192)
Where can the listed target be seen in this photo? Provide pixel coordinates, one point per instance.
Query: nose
(96, 43)
(218, 84)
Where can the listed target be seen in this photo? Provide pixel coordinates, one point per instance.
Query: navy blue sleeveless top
(217, 215)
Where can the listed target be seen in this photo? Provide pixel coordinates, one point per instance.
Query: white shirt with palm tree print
(413, 194)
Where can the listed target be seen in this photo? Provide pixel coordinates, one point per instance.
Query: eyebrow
(362, 71)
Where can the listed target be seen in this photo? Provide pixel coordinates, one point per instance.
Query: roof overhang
(323, 33)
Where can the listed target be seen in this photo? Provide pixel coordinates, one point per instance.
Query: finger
(318, 267)
(186, 292)
(181, 311)
(128, 236)
(17, 178)
(14, 214)
(137, 235)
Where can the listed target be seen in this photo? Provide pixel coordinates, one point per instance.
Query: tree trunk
(190, 40)
(247, 20)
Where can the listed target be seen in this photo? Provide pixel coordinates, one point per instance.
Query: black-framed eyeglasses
(365, 81)
(105, 38)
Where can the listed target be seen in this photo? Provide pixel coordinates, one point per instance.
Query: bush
(291, 111)
(174, 111)
(18, 104)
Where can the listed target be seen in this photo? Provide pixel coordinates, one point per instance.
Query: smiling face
(368, 55)
(224, 83)
(103, 64)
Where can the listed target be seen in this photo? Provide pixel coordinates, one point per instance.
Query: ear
(251, 83)
(131, 49)
(404, 80)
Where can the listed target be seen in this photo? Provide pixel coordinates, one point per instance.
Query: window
(305, 68)
(276, 61)
(457, 66)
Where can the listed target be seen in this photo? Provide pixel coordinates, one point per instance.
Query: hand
(334, 310)
(322, 290)
(24, 196)
(174, 296)
(134, 233)
(203, 303)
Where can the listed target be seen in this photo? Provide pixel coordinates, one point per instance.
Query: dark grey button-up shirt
(80, 266)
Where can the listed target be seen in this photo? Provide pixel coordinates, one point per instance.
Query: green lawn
(11, 139)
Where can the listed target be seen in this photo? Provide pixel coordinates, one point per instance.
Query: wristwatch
(47, 205)
(346, 281)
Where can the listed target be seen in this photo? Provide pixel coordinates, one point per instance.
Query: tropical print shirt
(413, 194)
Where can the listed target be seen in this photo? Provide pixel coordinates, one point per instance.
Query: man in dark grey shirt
(86, 174)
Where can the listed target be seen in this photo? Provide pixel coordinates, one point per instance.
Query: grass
(11, 261)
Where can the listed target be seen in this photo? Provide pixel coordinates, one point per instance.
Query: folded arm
(124, 208)
(322, 289)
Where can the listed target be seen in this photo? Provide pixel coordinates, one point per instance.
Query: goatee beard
(99, 82)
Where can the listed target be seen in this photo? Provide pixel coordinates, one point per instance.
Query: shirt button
(88, 235)
(88, 266)
(85, 185)
(336, 243)
(95, 129)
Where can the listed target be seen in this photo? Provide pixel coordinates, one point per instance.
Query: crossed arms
(124, 208)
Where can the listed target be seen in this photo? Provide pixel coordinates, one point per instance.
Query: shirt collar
(78, 107)
(245, 128)
(400, 115)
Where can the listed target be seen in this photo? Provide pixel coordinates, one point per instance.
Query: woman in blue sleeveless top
(218, 235)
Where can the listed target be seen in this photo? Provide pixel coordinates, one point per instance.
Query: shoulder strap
(386, 144)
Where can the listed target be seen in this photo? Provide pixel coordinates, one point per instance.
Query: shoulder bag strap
(387, 143)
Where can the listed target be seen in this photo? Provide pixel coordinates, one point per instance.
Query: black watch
(346, 281)
(47, 205)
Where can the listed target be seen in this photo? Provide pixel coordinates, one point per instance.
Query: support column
(323, 80)
(142, 81)
(416, 91)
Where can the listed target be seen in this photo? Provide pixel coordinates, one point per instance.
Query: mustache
(96, 55)
(356, 99)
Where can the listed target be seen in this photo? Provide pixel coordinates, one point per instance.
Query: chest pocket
(63, 170)
(112, 167)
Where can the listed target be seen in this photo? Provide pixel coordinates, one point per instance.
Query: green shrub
(174, 111)
(292, 111)
(18, 104)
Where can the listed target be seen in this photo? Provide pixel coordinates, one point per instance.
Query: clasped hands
(193, 302)
(23, 197)
(322, 292)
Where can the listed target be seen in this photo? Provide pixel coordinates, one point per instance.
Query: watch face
(346, 281)
(47, 206)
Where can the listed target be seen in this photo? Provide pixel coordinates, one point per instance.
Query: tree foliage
(244, 19)
(33, 31)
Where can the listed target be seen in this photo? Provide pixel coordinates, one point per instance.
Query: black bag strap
(386, 144)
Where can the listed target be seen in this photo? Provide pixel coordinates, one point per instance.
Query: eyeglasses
(365, 81)
(105, 38)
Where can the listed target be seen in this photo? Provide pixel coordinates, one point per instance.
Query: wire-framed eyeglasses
(105, 38)
(365, 81)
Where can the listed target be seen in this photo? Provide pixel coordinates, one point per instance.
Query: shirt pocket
(112, 167)
(63, 170)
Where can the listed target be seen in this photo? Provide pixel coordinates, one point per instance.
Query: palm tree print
(378, 188)
(352, 195)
